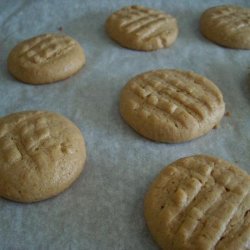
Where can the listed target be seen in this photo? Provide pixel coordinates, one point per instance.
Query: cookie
(41, 154)
(200, 202)
(46, 58)
(171, 105)
(140, 28)
(227, 25)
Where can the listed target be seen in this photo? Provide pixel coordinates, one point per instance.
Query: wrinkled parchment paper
(104, 208)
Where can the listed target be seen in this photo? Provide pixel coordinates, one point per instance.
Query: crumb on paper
(216, 126)
(228, 114)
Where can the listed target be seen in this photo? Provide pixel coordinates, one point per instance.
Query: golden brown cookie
(46, 58)
(41, 154)
(200, 202)
(171, 105)
(140, 28)
(227, 25)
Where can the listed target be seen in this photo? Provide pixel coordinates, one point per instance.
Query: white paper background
(104, 208)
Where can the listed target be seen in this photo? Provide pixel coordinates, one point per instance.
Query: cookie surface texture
(227, 25)
(45, 59)
(200, 202)
(171, 105)
(41, 154)
(141, 28)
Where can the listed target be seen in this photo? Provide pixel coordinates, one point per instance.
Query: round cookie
(227, 25)
(171, 105)
(200, 202)
(140, 28)
(46, 58)
(41, 154)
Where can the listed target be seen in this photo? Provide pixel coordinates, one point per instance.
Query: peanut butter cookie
(46, 58)
(41, 154)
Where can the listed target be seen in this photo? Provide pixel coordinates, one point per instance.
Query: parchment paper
(104, 208)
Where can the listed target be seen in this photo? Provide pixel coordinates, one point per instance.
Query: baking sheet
(104, 208)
